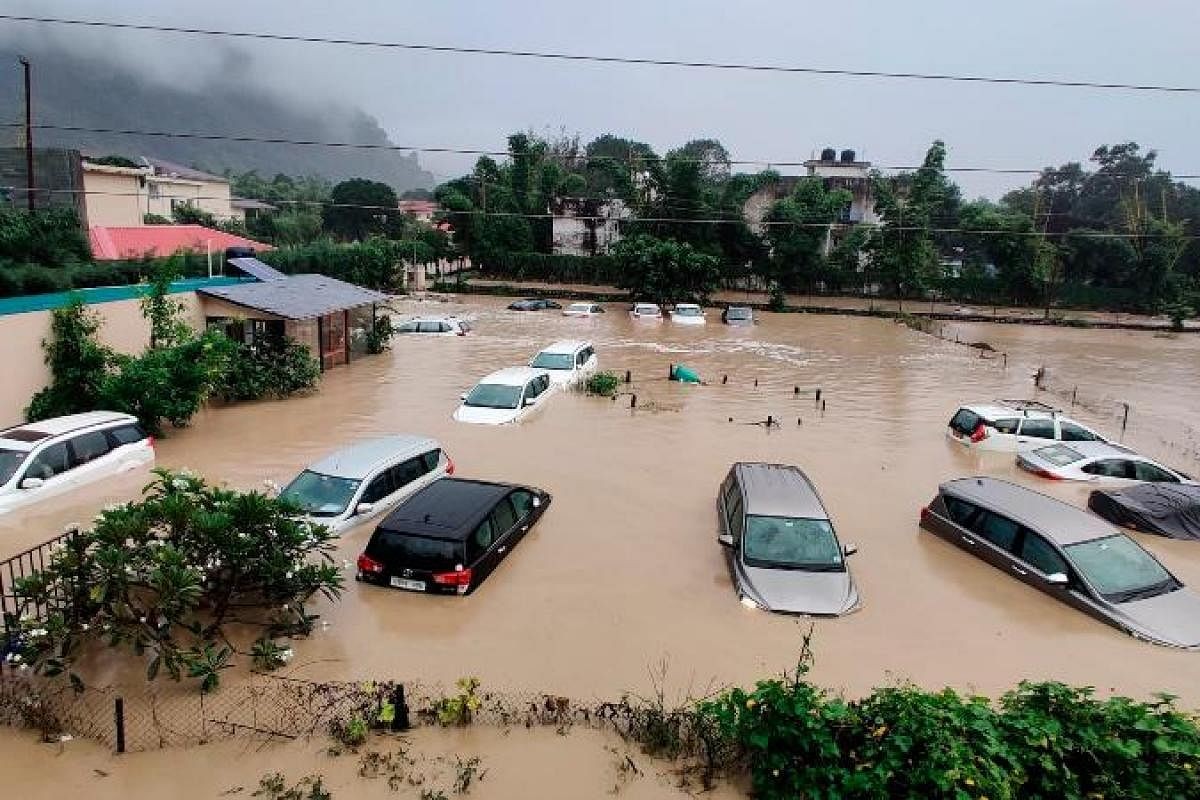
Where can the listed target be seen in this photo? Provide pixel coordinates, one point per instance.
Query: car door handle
(1018, 570)
(969, 540)
(502, 549)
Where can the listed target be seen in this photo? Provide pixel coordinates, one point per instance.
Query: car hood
(486, 416)
(794, 591)
(1171, 619)
(561, 377)
(688, 320)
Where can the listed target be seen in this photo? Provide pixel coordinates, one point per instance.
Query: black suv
(448, 537)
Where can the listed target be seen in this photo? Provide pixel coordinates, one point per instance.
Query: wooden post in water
(119, 720)
(1125, 420)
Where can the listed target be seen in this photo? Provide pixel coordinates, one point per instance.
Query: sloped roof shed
(296, 297)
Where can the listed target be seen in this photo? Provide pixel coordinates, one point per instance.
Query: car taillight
(980, 433)
(150, 441)
(449, 464)
(460, 578)
(461, 332)
(926, 514)
(368, 564)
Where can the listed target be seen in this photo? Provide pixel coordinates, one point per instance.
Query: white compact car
(507, 395)
(1014, 426)
(688, 314)
(40, 460)
(367, 479)
(1100, 462)
(583, 310)
(568, 361)
(436, 326)
(649, 311)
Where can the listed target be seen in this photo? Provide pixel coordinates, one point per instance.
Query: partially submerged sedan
(1075, 557)
(1098, 462)
(505, 396)
(782, 551)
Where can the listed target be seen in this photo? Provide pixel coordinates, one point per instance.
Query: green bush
(553, 268)
(602, 383)
(78, 364)
(379, 337)
(268, 368)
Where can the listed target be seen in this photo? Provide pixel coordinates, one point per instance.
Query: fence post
(1124, 420)
(400, 718)
(119, 719)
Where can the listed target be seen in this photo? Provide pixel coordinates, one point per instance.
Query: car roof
(565, 346)
(450, 318)
(512, 376)
(449, 508)
(29, 435)
(1058, 521)
(1098, 450)
(645, 305)
(994, 411)
(362, 458)
(687, 305)
(779, 490)
(581, 303)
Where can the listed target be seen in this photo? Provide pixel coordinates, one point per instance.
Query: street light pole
(28, 135)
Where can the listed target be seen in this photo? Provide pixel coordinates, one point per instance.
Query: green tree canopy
(665, 271)
(360, 208)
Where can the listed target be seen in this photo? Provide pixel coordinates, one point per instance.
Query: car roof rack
(1029, 405)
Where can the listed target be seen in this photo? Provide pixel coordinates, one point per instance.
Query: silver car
(1069, 554)
(782, 551)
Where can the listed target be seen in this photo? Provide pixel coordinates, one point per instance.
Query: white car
(688, 314)
(568, 361)
(1099, 462)
(583, 310)
(507, 395)
(646, 311)
(40, 460)
(366, 479)
(436, 326)
(1012, 426)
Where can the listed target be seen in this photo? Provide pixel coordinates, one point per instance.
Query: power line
(629, 160)
(602, 59)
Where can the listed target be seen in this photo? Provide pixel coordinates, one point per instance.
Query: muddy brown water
(623, 573)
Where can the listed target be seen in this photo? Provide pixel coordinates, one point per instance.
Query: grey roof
(257, 269)
(297, 296)
(245, 202)
(1054, 519)
(172, 170)
(361, 459)
(779, 490)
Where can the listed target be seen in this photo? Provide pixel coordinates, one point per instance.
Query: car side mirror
(849, 549)
(462, 396)
(530, 401)
(1057, 579)
(32, 483)
(725, 540)
(364, 508)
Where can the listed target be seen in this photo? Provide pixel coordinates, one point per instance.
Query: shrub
(274, 368)
(379, 337)
(77, 361)
(458, 709)
(602, 383)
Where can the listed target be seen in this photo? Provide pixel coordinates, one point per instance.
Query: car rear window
(127, 434)
(1076, 433)
(738, 313)
(404, 551)
(1059, 455)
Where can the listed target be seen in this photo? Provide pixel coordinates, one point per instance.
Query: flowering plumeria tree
(168, 576)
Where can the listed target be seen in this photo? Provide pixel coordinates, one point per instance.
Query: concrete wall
(122, 327)
(113, 199)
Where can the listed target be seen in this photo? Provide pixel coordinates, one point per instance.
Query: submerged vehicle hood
(1171, 619)
(561, 377)
(486, 416)
(794, 591)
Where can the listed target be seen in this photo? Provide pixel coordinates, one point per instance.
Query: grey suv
(1069, 554)
(783, 553)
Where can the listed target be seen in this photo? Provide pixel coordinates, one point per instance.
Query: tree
(51, 236)
(665, 271)
(77, 362)
(191, 214)
(798, 229)
(993, 235)
(360, 208)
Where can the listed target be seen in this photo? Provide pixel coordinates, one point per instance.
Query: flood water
(623, 572)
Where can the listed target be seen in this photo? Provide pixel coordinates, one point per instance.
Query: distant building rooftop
(172, 170)
(247, 204)
(161, 241)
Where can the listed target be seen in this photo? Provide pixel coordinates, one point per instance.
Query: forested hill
(74, 91)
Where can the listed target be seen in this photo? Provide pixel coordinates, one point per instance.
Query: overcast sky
(474, 101)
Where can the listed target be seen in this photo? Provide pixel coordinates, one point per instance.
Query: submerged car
(367, 479)
(533, 304)
(688, 314)
(506, 395)
(568, 361)
(436, 326)
(1015, 426)
(1099, 462)
(41, 460)
(583, 310)
(1067, 553)
(1165, 509)
(738, 315)
(448, 537)
(782, 551)
(649, 311)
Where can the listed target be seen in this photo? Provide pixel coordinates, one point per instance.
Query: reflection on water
(624, 569)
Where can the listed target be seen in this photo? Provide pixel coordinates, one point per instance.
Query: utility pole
(28, 135)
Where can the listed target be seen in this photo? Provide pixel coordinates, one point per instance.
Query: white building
(585, 226)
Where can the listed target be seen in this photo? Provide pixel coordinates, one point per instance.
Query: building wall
(123, 328)
(112, 200)
(211, 196)
(57, 177)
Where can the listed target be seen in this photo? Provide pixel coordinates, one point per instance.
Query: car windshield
(9, 461)
(554, 361)
(1059, 455)
(687, 312)
(321, 495)
(738, 313)
(1120, 569)
(791, 544)
(494, 395)
(645, 310)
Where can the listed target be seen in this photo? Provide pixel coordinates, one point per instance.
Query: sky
(474, 101)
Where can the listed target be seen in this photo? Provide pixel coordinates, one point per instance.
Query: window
(503, 517)
(734, 512)
(1120, 569)
(404, 551)
(406, 473)
(965, 421)
(408, 327)
(88, 447)
(429, 327)
(379, 488)
(10, 461)
(494, 395)
(443, 327)
(1006, 425)
(546, 360)
(522, 503)
(1037, 428)
(1041, 555)
(1145, 471)
(432, 459)
(483, 537)
(791, 544)
(960, 511)
(50, 462)
(1076, 433)
(998, 530)
(464, 326)
(126, 434)
(321, 495)
(1110, 468)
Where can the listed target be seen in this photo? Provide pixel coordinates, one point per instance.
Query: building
(171, 185)
(244, 209)
(586, 226)
(113, 243)
(114, 196)
(421, 210)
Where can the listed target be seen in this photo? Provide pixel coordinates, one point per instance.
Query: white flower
(288, 575)
(142, 619)
(242, 535)
(284, 607)
(83, 627)
(16, 657)
(24, 666)
(179, 483)
(187, 473)
(130, 543)
(286, 654)
(346, 564)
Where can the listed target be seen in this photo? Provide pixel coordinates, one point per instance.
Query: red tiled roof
(160, 241)
(418, 206)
